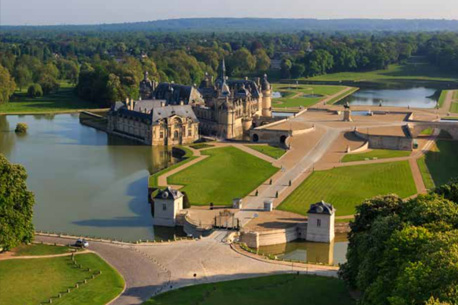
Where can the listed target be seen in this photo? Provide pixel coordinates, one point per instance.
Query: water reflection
(309, 252)
(84, 181)
(419, 97)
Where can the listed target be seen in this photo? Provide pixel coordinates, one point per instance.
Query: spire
(222, 70)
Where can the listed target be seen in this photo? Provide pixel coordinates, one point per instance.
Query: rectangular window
(189, 132)
(318, 222)
(164, 207)
(161, 135)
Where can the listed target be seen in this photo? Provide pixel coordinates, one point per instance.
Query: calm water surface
(85, 183)
(418, 97)
(322, 253)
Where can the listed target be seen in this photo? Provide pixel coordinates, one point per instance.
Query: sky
(52, 12)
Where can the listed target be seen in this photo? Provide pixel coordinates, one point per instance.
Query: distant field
(293, 95)
(416, 69)
(34, 281)
(270, 290)
(226, 174)
(375, 153)
(345, 187)
(442, 162)
(271, 151)
(63, 100)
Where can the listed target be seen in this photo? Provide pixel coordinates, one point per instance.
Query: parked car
(82, 243)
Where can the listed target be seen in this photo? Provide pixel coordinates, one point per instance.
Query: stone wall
(387, 142)
(274, 237)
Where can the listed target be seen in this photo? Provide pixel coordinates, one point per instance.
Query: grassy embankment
(34, 281)
(226, 174)
(40, 249)
(440, 164)
(293, 95)
(62, 101)
(269, 290)
(187, 157)
(375, 154)
(271, 151)
(416, 68)
(345, 187)
(454, 104)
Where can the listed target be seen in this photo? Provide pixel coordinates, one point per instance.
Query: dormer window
(318, 222)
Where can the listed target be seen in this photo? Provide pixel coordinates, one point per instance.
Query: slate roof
(169, 193)
(167, 111)
(178, 94)
(321, 208)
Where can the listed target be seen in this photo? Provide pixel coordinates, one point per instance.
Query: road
(151, 268)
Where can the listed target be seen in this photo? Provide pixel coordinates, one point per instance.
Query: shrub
(35, 90)
(21, 128)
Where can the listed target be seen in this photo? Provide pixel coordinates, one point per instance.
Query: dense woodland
(405, 252)
(107, 66)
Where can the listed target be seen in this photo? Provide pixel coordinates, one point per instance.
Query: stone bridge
(416, 127)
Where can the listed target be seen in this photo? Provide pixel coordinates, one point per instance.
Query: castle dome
(265, 85)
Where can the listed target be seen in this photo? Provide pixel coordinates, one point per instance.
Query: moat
(85, 182)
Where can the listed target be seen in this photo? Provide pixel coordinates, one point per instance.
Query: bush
(35, 90)
(21, 128)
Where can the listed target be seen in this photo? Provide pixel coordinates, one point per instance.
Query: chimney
(132, 104)
(127, 102)
(162, 104)
(181, 103)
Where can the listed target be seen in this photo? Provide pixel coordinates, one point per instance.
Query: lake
(85, 182)
(415, 97)
(309, 252)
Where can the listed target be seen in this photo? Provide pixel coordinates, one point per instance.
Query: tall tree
(7, 85)
(16, 205)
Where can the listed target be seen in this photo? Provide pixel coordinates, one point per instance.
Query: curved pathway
(152, 268)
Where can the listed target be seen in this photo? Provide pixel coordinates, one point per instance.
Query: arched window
(175, 135)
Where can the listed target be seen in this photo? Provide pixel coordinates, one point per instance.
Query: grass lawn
(226, 174)
(201, 145)
(345, 187)
(293, 95)
(188, 156)
(271, 151)
(427, 132)
(454, 104)
(270, 290)
(442, 162)
(31, 281)
(425, 174)
(375, 153)
(40, 249)
(63, 100)
(417, 68)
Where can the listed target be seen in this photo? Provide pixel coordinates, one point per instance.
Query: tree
(242, 61)
(262, 60)
(35, 91)
(48, 83)
(22, 76)
(16, 206)
(286, 68)
(7, 85)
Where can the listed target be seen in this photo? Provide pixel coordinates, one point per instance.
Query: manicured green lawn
(31, 281)
(271, 151)
(188, 156)
(270, 290)
(226, 174)
(442, 97)
(63, 100)
(201, 145)
(416, 68)
(443, 162)
(427, 132)
(293, 95)
(425, 174)
(39, 249)
(345, 187)
(375, 153)
(454, 104)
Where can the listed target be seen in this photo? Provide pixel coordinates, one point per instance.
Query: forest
(107, 66)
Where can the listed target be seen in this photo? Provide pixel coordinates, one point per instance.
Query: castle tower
(320, 223)
(266, 97)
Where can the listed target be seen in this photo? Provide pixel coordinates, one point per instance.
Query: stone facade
(166, 206)
(320, 222)
(152, 122)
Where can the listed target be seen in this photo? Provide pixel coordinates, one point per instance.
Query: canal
(85, 182)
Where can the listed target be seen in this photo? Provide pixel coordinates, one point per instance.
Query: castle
(170, 114)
